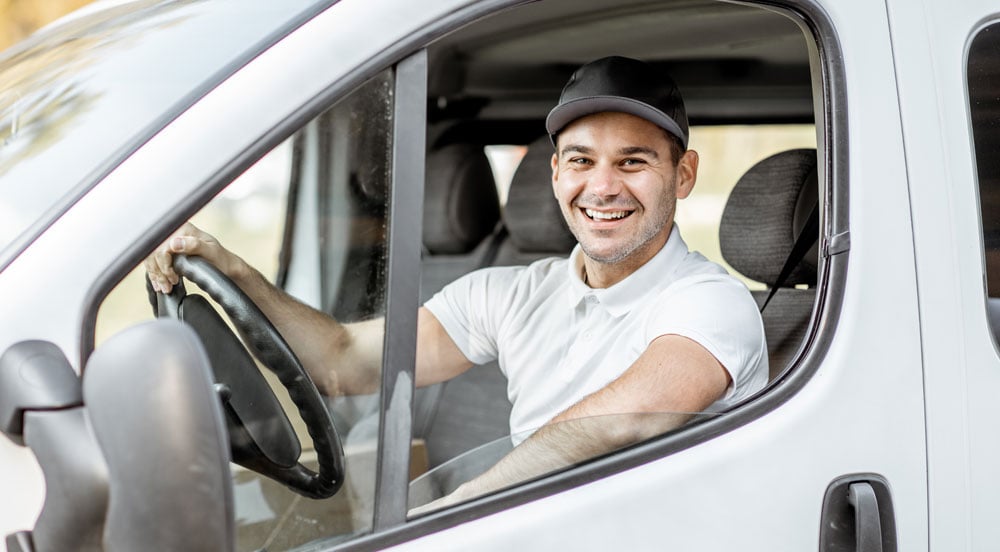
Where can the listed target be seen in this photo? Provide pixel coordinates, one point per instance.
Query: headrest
(460, 199)
(765, 213)
(532, 215)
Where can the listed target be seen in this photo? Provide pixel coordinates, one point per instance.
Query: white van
(364, 153)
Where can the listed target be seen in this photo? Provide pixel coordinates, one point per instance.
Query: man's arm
(340, 358)
(673, 378)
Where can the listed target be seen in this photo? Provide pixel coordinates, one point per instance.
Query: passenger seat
(765, 213)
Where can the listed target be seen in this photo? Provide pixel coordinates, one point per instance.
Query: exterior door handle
(858, 516)
(867, 521)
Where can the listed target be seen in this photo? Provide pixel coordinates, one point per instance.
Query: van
(362, 154)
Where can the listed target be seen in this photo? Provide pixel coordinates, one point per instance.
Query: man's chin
(604, 255)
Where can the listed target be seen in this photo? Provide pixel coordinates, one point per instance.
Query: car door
(778, 473)
(945, 58)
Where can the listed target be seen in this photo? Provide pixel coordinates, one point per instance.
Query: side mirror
(151, 401)
(142, 463)
(41, 407)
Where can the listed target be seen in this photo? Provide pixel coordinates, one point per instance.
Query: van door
(946, 58)
(838, 442)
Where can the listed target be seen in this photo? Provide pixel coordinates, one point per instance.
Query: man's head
(620, 132)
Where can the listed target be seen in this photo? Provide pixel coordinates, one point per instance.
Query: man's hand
(461, 494)
(189, 240)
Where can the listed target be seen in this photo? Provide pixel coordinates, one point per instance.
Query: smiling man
(621, 341)
(598, 348)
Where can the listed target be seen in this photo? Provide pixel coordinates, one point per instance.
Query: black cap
(625, 85)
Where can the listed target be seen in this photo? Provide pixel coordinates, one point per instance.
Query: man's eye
(632, 162)
(579, 161)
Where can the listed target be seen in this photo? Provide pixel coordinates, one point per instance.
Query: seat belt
(803, 243)
(493, 248)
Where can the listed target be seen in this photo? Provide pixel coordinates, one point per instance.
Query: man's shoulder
(696, 264)
(699, 281)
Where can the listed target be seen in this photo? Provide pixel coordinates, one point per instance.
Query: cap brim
(572, 110)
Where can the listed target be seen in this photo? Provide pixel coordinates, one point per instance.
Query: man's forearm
(566, 443)
(673, 378)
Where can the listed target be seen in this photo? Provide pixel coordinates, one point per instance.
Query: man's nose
(605, 182)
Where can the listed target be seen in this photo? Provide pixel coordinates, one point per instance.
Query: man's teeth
(600, 215)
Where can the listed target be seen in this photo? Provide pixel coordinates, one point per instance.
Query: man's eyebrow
(629, 150)
(639, 150)
(575, 148)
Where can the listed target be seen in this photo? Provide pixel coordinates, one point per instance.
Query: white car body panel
(961, 366)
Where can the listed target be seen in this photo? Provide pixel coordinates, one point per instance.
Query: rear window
(984, 104)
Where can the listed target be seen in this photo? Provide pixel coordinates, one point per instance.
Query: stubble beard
(645, 234)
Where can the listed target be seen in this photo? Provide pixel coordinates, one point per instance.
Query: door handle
(867, 521)
(858, 516)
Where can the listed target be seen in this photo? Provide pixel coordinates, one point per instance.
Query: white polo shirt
(557, 340)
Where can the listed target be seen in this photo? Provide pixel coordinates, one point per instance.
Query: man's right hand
(189, 240)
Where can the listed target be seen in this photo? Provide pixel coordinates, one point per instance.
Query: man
(632, 324)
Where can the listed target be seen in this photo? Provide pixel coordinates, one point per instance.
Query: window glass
(338, 169)
(984, 101)
(246, 216)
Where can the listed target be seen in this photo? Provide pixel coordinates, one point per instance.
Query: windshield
(80, 95)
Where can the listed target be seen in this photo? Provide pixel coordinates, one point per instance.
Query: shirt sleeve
(466, 310)
(718, 313)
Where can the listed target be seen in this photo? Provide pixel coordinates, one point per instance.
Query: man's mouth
(606, 215)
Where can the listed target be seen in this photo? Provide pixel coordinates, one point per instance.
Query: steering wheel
(263, 450)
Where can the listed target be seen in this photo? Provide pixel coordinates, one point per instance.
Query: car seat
(534, 223)
(764, 215)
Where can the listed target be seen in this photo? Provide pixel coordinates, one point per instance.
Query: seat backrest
(535, 225)
(765, 213)
(461, 210)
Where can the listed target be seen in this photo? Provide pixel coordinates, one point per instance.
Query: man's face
(617, 185)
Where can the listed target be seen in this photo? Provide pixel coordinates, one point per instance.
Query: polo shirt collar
(622, 297)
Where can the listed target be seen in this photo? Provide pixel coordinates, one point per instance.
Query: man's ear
(555, 171)
(687, 173)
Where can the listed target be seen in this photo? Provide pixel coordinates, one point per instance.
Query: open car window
(488, 199)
